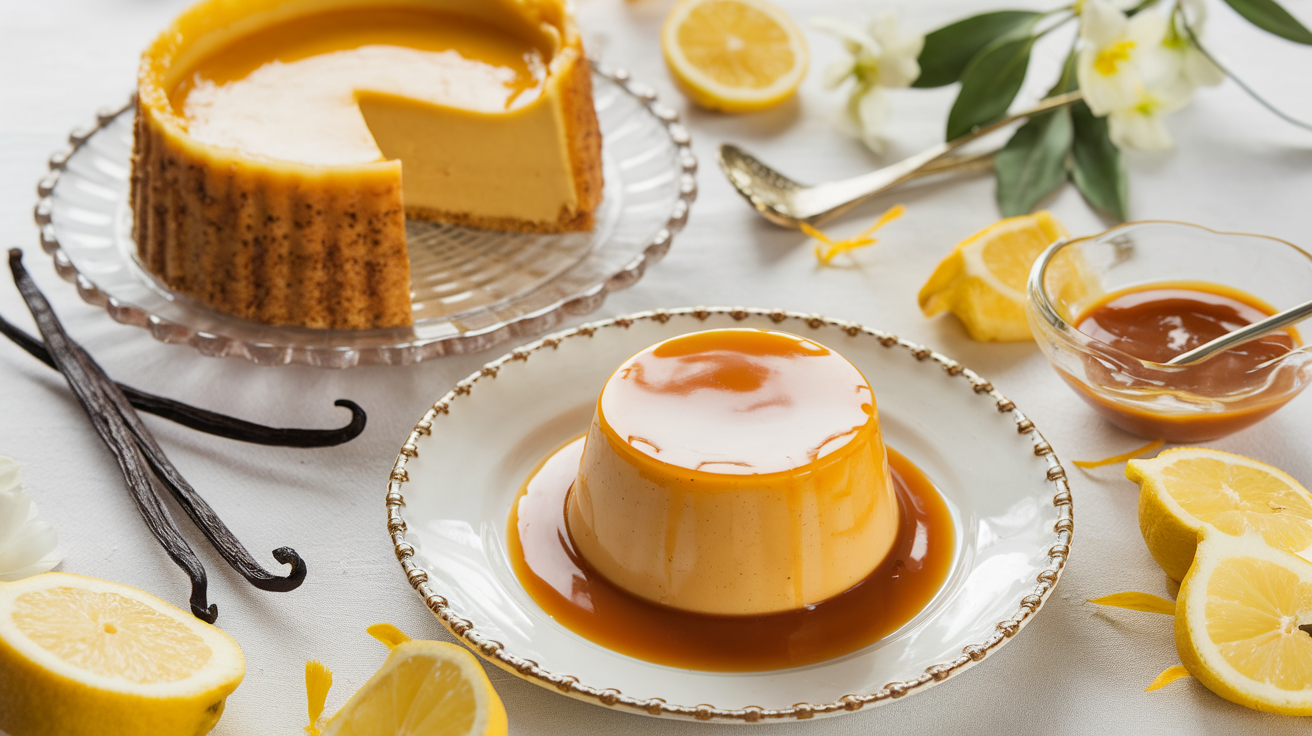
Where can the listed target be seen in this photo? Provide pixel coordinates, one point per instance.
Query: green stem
(1056, 25)
(1242, 85)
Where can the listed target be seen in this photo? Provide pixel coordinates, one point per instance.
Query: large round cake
(280, 145)
(734, 472)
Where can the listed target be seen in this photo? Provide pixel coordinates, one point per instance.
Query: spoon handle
(834, 198)
(1242, 335)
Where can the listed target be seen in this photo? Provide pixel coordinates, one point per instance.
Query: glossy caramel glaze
(288, 92)
(1157, 322)
(575, 595)
(732, 472)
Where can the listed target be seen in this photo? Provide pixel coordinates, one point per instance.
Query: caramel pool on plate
(734, 472)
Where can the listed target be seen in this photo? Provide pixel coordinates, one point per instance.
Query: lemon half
(734, 55)
(982, 281)
(86, 656)
(1238, 619)
(1187, 488)
(424, 688)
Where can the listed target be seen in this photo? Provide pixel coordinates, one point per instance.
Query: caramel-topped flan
(734, 472)
(280, 145)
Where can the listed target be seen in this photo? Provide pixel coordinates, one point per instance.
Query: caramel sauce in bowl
(1153, 290)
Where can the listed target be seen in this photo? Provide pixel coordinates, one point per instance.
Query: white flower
(881, 57)
(1192, 64)
(1141, 126)
(27, 546)
(1114, 50)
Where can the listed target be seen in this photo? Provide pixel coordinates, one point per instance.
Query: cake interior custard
(732, 508)
(280, 145)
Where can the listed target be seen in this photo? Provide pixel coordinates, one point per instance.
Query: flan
(734, 472)
(281, 144)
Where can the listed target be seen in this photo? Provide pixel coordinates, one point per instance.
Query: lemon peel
(1168, 676)
(1132, 601)
(845, 245)
(318, 681)
(1123, 457)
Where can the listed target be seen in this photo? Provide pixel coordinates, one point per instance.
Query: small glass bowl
(1154, 400)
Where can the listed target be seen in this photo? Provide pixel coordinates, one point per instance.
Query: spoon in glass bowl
(1277, 321)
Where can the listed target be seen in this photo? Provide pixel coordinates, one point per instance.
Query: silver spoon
(786, 202)
(1242, 335)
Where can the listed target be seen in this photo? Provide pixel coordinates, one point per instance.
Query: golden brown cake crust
(297, 244)
(269, 246)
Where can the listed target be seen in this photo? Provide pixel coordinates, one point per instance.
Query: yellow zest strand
(825, 255)
(1170, 675)
(1137, 602)
(1132, 454)
(387, 634)
(318, 681)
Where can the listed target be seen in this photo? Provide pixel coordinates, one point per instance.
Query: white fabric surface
(1077, 669)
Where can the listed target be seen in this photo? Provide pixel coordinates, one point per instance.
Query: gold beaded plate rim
(1054, 552)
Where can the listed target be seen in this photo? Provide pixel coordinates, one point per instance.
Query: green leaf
(989, 84)
(949, 49)
(1270, 17)
(1097, 169)
(1033, 163)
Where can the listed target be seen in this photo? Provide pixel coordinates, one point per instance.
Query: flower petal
(45, 564)
(839, 71)
(1101, 23)
(1200, 70)
(1133, 129)
(15, 509)
(849, 32)
(872, 110)
(1106, 92)
(33, 542)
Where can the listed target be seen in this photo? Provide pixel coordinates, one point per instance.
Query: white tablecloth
(1077, 669)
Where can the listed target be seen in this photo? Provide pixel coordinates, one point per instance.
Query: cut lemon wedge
(734, 55)
(982, 281)
(1185, 489)
(1238, 619)
(86, 656)
(424, 688)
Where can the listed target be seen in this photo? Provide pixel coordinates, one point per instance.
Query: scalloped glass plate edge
(370, 347)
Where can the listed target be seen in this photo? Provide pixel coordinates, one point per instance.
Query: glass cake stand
(470, 289)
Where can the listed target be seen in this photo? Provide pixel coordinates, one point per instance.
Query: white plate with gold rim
(455, 478)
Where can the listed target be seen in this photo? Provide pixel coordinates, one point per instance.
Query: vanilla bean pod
(210, 422)
(200, 512)
(88, 384)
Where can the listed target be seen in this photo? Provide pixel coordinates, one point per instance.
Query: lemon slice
(1237, 623)
(734, 55)
(424, 688)
(86, 656)
(982, 280)
(1187, 488)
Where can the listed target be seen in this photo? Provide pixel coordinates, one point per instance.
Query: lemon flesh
(424, 688)
(86, 656)
(982, 281)
(1187, 488)
(734, 55)
(1237, 623)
